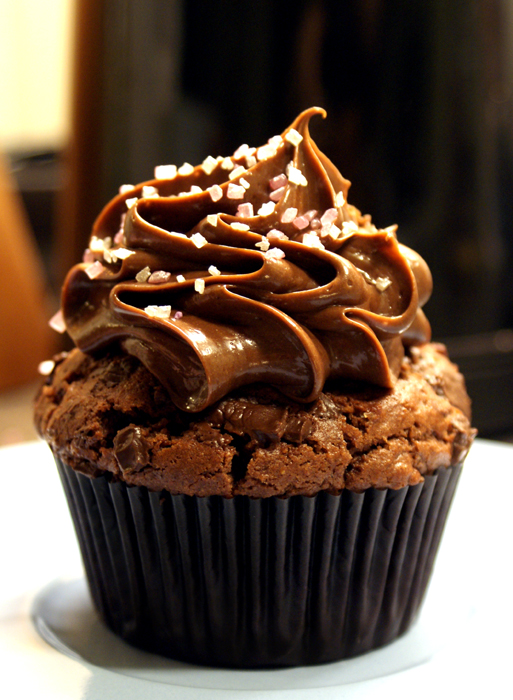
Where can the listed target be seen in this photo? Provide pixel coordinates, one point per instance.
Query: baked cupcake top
(248, 269)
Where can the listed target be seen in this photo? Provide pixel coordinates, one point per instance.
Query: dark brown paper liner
(258, 582)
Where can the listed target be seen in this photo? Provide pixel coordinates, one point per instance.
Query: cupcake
(258, 441)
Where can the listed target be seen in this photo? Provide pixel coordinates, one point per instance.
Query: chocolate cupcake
(258, 441)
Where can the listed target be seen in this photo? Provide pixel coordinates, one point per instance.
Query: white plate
(52, 646)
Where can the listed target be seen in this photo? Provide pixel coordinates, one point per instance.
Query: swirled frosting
(247, 269)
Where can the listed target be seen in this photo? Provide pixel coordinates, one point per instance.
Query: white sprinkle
(165, 172)
(212, 219)
(333, 231)
(340, 200)
(278, 181)
(349, 227)
(57, 322)
(312, 241)
(143, 274)
(315, 224)
(329, 216)
(263, 245)
(159, 277)
(250, 161)
(163, 312)
(274, 253)
(122, 253)
(125, 188)
(235, 191)
(310, 214)
(195, 189)
(296, 176)
(245, 210)
(275, 235)
(96, 245)
(236, 172)
(209, 165)
(107, 256)
(382, 283)
(244, 183)
(227, 164)
(214, 271)
(215, 192)
(130, 202)
(186, 169)
(275, 141)
(180, 278)
(94, 270)
(239, 226)
(277, 194)
(241, 151)
(46, 367)
(149, 191)
(300, 222)
(198, 240)
(294, 137)
(266, 209)
(265, 152)
(288, 215)
(199, 285)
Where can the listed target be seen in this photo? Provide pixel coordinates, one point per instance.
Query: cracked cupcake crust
(111, 415)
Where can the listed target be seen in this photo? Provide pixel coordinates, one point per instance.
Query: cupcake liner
(258, 582)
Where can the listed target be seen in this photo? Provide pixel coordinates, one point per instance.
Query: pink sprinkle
(274, 254)
(57, 322)
(278, 181)
(95, 270)
(329, 216)
(277, 194)
(119, 238)
(178, 315)
(300, 222)
(215, 192)
(275, 235)
(88, 256)
(245, 210)
(159, 277)
(288, 215)
(235, 191)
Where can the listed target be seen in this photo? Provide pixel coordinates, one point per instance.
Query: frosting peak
(246, 269)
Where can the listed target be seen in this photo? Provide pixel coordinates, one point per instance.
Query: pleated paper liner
(248, 583)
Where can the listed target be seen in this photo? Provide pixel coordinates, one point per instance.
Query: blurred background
(419, 96)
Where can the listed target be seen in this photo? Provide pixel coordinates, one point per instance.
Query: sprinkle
(215, 192)
(198, 240)
(349, 227)
(315, 224)
(340, 200)
(142, 275)
(333, 231)
(278, 181)
(149, 191)
(96, 245)
(159, 277)
(241, 151)
(227, 164)
(94, 270)
(275, 235)
(57, 322)
(329, 216)
(275, 141)
(119, 238)
(125, 188)
(209, 165)
(382, 283)
(239, 226)
(244, 183)
(122, 253)
(199, 285)
(163, 312)
(277, 194)
(107, 256)
(245, 210)
(186, 169)
(266, 209)
(165, 172)
(214, 271)
(300, 222)
(130, 202)
(265, 152)
(288, 215)
(250, 161)
(180, 278)
(274, 254)
(294, 137)
(235, 191)
(295, 176)
(46, 367)
(195, 189)
(263, 245)
(236, 172)
(88, 256)
(312, 241)
(178, 315)
(310, 214)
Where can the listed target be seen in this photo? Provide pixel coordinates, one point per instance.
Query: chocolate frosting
(299, 291)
